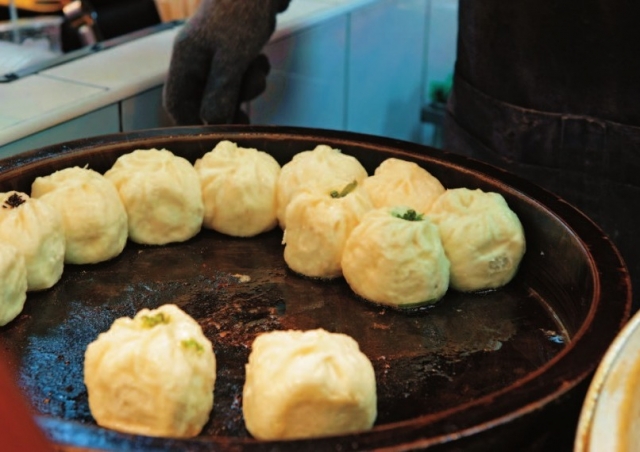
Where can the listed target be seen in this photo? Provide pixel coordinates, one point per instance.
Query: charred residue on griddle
(236, 318)
(435, 356)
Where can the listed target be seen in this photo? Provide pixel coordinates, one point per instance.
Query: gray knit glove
(216, 62)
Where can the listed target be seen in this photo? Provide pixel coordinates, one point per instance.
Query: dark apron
(550, 85)
(500, 133)
(549, 90)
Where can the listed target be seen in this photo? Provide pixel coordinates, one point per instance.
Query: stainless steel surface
(85, 51)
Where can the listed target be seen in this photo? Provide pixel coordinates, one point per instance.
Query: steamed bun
(397, 182)
(238, 189)
(93, 216)
(395, 257)
(161, 194)
(35, 229)
(307, 384)
(483, 238)
(318, 224)
(13, 283)
(151, 375)
(321, 169)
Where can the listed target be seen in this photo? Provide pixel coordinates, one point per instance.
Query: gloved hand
(216, 62)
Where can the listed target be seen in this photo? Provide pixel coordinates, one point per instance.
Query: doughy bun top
(69, 177)
(323, 168)
(398, 182)
(239, 189)
(395, 257)
(161, 193)
(93, 215)
(303, 384)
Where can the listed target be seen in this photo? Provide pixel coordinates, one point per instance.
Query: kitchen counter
(90, 84)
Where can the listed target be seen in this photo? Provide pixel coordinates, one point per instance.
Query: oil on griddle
(425, 360)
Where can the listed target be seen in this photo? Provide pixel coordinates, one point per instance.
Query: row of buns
(398, 237)
(149, 196)
(412, 237)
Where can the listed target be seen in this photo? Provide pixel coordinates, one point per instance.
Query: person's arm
(216, 62)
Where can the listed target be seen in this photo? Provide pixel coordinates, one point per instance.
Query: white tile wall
(306, 86)
(386, 68)
(143, 111)
(441, 53)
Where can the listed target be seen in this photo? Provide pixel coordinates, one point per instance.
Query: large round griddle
(486, 371)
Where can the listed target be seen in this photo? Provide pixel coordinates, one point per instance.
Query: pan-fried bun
(151, 375)
(322, 168)
(397, 182)
(395, 257)
(483, 238)
(238, 189)
(13, 283)
(162, 195)
(318, 224)
(93, 216)
(35, 228)
(305, 384)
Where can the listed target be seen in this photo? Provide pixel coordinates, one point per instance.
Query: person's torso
(554, 55)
